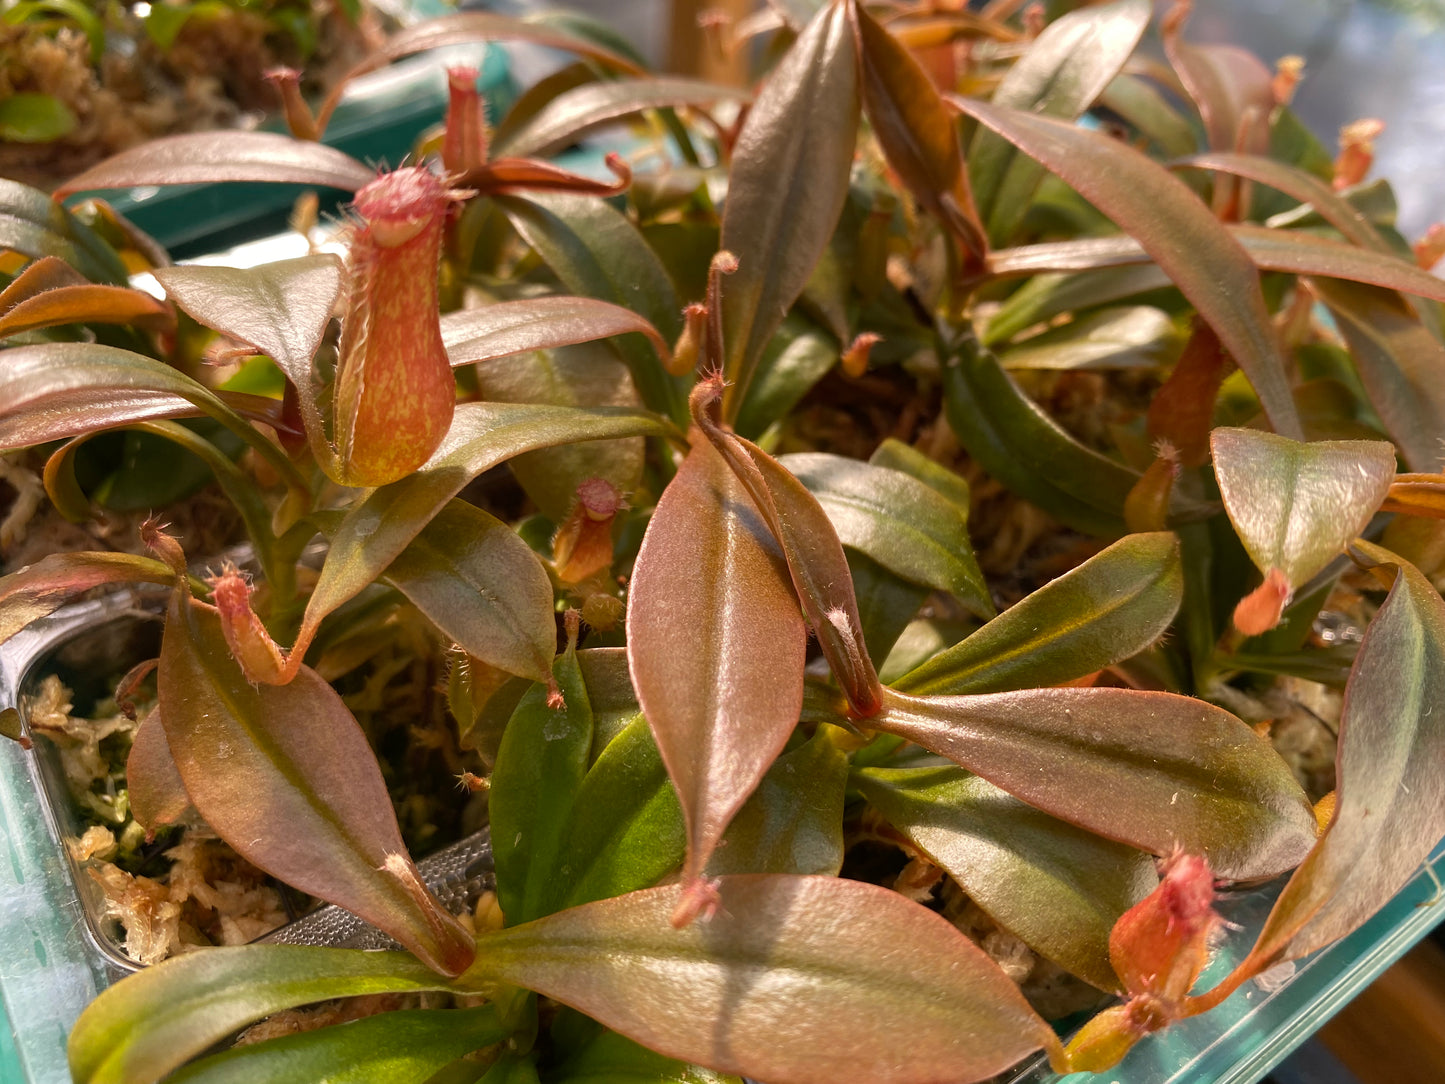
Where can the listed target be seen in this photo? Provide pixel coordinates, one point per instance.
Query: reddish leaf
(1401, 364)
(284, 774)
(539, 323)
(715, 644)
(1296, 505)
(1182, 411)
(814, 555)
(47, 585)
(507, 175)
(575, 112)
(1297, 184)
(1390, 793)
(1060, 75)
(87, 304)
(916, 132)
(793, 981)
(1179, 772)
(207, 157)
(1211, 268)
(46, 273)
(1417, 495)
(786, 189)
(282, 309)
(157, 794)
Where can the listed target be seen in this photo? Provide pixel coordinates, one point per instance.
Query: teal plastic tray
(378, 123)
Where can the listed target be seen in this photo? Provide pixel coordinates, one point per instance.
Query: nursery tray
(56, 951)
(54, 959)
(377, 121)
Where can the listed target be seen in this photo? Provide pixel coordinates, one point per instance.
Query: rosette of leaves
(669, 794)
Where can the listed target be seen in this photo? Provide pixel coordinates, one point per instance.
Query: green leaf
(786, 189)
(282, 309)
(1047, 295)
(1026, 450)
(207, 157)
(796, 358)
(765, 989)
(1295, 506)
(596, 252)
(285, 775)
(34, 118)
(157, 793)
(1058, 888)
(898, 521)
(375, 531)
(1390, 809)
(86, 20)
(886, 604)
(574, 113)
(1133, 336)
(630, 831)
(917, 134)
(51, 582)
(478, 582)
(153, 1021)
(611, 1059)
(535, 784)
(793, 823)
(1063, 70)
(895, 455)
(57, 390)
(1178, 772)
(1400, 363)
(715, 644)
(389, 1048)
(1111, 607)
(34, 225)
(1210, 268)
(1141, 105)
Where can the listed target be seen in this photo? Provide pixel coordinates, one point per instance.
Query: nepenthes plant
(1190, 377)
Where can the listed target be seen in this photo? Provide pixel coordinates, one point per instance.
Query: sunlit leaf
(815, 561)
(208, 157)
(898, 521)
(1295, 505)
(153, 1022)
(1060, 74)
(539, 323)
(915, 130)
(1120, 338)
(798, 356)
(1058, 888)
(532, 802)
(572, 114)
(478, 582)
(1210, 268)
(1139, 103)
(715, 644)
(389, 1048)
(375, 531)
(1047, 295)
(786, 189)
(1179, 772)
(597, 252)
(1399, 362)
(282, 309)
(766, 990)
(1112, 606)
(48, 584)
(285, 775)
(86, 304)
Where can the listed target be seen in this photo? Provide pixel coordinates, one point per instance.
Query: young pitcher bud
(1161, 944)
(1261, 609)
(583, 545)
(464, 147)
(394, 387)
(299, 118)
(1357, 151)
(251, 645)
